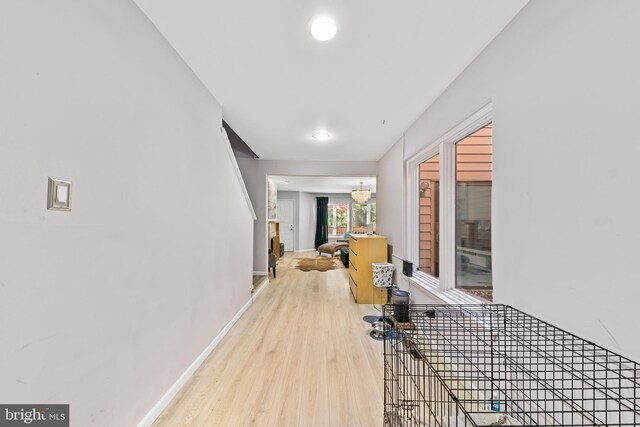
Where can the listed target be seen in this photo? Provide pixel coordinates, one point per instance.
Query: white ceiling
(324, 184)
(277, 85)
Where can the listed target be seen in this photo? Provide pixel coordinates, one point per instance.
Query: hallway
(300, 356)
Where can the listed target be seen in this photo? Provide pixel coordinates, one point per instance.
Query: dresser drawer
(353, 271)
(353, 244)
(354, 288)
(353, 256)
(362, 278)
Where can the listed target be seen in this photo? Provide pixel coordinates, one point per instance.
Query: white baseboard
(262, 288)
(307, 250)
(260, 273)
(166, 399)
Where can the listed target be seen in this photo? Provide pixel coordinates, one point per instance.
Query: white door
(285, 218)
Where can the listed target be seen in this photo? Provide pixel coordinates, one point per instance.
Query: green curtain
(322, 221)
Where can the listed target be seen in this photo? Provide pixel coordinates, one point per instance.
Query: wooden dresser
(363, 251)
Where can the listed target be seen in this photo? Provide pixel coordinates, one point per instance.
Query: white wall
(389, 193)
(389, 216)
(105, 306)
(255, 177)
(308, 217)
(563, 78)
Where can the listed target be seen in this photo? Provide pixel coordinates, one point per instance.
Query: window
(429, 216)
(372, 215)
(361, 215)
(350, 216)
(338, 218)
(474, 167)
(448, 211)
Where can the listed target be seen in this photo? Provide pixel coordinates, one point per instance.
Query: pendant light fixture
(361, 195)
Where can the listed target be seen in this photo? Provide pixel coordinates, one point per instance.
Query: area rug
(317, 264)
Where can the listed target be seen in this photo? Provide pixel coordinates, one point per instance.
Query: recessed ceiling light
(323, 28)
(283, 181)
(321, 136)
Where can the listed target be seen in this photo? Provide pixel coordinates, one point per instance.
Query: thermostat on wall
(59, 195)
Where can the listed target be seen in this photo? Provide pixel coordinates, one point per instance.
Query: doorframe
(271, 171)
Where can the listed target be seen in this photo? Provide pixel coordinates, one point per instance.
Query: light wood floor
(300, 356)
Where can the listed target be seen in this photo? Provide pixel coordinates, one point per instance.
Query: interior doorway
(292, 204)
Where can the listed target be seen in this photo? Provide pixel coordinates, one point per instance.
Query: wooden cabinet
(363, 251)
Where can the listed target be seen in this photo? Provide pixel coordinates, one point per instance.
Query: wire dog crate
(482, 365)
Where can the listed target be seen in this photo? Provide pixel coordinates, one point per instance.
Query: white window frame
(335, 217)
(446, 147)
